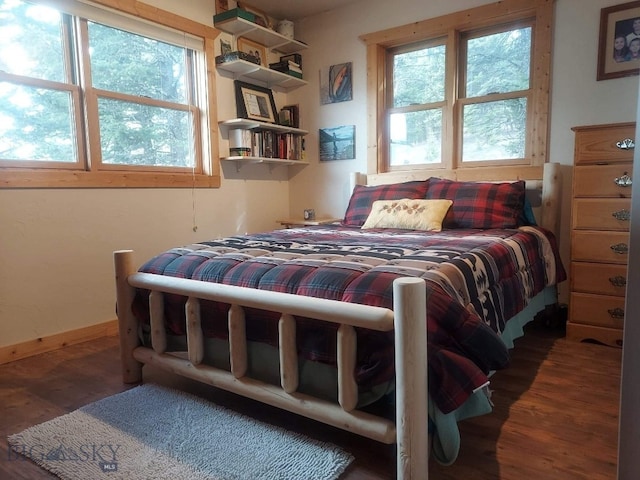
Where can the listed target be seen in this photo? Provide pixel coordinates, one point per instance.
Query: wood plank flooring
(555, 417)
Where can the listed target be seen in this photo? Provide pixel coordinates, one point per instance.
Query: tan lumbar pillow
(410, 214)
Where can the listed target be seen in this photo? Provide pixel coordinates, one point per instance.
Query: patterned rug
(152, 432)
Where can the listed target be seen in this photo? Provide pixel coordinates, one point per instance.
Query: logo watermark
(104, 454)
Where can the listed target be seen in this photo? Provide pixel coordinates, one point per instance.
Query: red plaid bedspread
(476, 281)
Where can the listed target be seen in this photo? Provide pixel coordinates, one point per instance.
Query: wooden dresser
(600, 216)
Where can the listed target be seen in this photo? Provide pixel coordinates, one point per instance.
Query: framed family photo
(619, 46)
(252, 48)
(255, 103)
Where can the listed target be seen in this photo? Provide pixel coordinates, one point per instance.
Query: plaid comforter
(476, 281)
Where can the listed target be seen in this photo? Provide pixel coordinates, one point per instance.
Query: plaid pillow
(480, 204)
(363, 197)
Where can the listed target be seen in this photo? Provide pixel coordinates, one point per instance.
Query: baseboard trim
(30, 348)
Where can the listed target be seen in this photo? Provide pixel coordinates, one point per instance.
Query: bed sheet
(476, 280)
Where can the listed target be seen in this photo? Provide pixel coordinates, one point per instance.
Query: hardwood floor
(555, 416)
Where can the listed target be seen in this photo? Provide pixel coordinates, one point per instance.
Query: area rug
(153, 432)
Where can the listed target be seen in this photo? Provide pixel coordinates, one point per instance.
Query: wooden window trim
(507, 11)
(73, 175)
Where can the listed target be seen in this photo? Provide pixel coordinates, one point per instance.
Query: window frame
(536, 13)
(430, 106)
(90, 172)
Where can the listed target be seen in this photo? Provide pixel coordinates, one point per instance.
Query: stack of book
(265, 143)
(289, 64)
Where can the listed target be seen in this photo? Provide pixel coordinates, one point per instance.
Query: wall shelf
(249, 124)
(273, 162)
(227, 126)
(264, 36)
(243, 70)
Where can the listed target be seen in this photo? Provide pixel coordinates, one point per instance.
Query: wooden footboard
(410, 431)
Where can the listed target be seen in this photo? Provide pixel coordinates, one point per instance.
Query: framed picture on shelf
(255, 103)
(262, 18)
(619, 45)
(253, 48)
(222, 6)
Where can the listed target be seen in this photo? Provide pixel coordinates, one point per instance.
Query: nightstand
(290, 222)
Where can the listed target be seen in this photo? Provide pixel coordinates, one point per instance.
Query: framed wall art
(255, 103)
(337, 143)
(336, 83)
(619, 45)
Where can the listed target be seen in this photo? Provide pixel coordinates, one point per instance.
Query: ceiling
(296, 9)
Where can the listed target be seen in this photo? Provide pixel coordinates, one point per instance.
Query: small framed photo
(255, 103)
(262, 18)
(309, 214)
(619, 45)
(222, 6)
(253, 48)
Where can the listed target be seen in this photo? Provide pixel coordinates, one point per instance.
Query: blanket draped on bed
(476, 281)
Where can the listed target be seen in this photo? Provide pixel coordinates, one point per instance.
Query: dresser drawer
(602, 181)
(601, 213)
(599, 278)
(608, 336)
(604, 143)
(600, 310)
(607, 247)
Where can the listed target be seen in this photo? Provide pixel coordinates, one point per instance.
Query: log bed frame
(410, 429)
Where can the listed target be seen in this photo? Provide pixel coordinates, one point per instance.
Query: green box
(234, 13)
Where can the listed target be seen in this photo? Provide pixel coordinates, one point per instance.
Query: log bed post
(410, 313)
(127, 322)
(551, 201)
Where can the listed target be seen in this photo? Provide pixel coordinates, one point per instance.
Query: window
(467, 90)
(494, 96)
(92, 97)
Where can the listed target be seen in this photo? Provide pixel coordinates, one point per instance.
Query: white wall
(55, 245)
(576, 97)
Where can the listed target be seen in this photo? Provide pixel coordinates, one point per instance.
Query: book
(294, 115)
(292, 57)
(284, 66)
(233, 13)
(293, 74)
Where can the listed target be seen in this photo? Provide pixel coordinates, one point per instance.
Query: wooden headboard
(544, 185)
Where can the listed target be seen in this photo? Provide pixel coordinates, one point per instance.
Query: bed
(329, 321)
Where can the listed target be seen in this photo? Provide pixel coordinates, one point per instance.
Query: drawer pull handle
(618, 281)
(622, 215)
(616, 313)
(626, 144)
(620, 248)
(623, 181)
